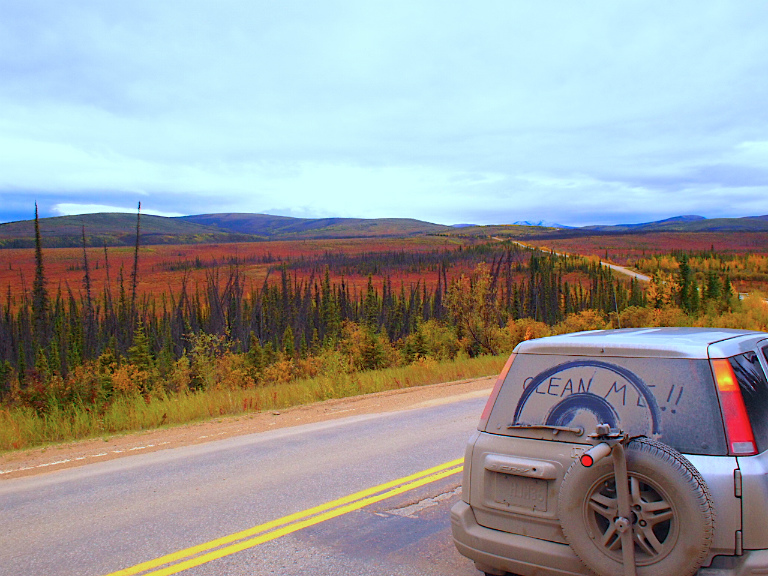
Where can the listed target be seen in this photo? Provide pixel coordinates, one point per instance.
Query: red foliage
(626, 248)
(161, 266)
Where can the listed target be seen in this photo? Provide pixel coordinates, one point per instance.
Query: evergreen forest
(88, 345)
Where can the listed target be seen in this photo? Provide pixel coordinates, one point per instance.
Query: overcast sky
(451, 112)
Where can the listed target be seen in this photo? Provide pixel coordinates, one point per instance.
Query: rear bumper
(501, 551)
(510, 552)
(751, 563)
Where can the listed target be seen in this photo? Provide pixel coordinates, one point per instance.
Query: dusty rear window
(672, 400)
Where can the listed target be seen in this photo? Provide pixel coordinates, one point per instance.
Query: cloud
(437, 110)
(65, 209)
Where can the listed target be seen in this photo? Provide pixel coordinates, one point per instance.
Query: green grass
(23, 428)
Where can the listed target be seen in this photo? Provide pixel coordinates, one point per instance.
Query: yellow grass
(23, 428)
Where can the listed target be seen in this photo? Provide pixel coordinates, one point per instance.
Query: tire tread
(691, 479)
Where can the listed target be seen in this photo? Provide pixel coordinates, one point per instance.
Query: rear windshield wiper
(578, 430)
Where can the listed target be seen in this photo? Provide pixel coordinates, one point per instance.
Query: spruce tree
(371, 306)
(255, 354)
(40, 303)
(289, 346)
(139, 354)
(714, 288)
(687, 285)
(89, 343)
(135, 273)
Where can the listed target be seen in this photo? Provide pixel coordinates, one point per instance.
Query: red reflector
(496, 388)
(741, 441)
(586, 460)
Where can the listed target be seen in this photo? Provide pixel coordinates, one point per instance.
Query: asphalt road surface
(366, 495)
(615, 267)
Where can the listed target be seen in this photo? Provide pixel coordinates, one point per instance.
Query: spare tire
(672, 520)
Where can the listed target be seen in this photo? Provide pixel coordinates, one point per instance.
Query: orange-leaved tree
(474, 308)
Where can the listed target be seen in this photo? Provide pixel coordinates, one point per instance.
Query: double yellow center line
(239, 541)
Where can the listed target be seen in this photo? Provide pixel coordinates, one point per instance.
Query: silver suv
(678, 415)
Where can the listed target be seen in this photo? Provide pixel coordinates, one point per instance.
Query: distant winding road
(616, 267)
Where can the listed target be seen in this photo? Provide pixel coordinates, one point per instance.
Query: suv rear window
(673, 400)
(754, 390)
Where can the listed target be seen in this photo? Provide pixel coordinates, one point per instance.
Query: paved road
(107, 517)
(619, 269)
(615, 267)
(627, 272)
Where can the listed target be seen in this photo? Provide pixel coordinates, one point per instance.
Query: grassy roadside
(22, 427)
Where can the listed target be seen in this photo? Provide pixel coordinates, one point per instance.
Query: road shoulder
(57, 457)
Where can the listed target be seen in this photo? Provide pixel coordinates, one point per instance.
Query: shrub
(671, 316)
(432, 339)
(366, 349)
(579, 321)
(520, 330)
(180, 376)
(636, 317)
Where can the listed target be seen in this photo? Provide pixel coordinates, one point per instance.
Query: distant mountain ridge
(541, 223)
(110, 229)
(116, 229)
(119, 229)
(285, 226)
(690, 223)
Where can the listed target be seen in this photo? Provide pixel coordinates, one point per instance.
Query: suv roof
(644, 342)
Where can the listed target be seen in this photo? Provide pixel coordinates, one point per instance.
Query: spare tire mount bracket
(611, 441)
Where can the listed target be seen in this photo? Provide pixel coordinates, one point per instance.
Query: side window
(754, 390)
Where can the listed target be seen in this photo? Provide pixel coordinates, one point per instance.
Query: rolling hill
(112, 229)
(691, 224)
(681, 224)
(118, 229)
(286, 227)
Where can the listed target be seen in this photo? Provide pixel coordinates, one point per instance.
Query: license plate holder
(511, 491)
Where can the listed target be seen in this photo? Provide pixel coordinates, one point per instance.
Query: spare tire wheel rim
(671, 517)
(654, 521)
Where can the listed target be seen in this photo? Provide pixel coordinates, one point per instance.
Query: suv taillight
(741, 440)
(494, 393)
